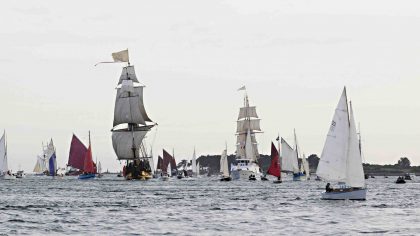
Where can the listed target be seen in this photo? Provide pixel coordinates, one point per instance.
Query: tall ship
(131, 123)
(248, 124)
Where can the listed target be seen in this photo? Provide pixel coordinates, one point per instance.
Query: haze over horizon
(294, 57)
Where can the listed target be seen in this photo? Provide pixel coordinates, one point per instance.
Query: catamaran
(341, 159)
(5, 173)
(248, 125)
(131, 123)
(275, 168)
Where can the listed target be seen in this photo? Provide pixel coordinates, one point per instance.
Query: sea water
(202, 206)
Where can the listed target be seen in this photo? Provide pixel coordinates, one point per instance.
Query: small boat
(99, 170)
(20, 174)
(341, 158)
(264, 178)
(400, 180)
(4, 167)
(224, 167)
(275, 168)
(179, 176)
(252, 177)
(318, 178)
(80, 157)
(366, 176)
(386, 177)
(407, 177)
(372, 176)
(119, 175)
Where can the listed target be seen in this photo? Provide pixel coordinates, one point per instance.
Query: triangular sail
(159, 163)
(333, 161)
(355, 173)
(52, 165)
(289, 160)
(88, 166)
(166, 161)
(224, 169)
(274, 168)
(77, 153)
(3, 155)
(194, 163)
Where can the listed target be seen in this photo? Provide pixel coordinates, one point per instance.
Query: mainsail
(224, 169)
(3, 155)
(289, 160)
(77, 153)
(194, 163)
(248, 125)
(130, 118)
(340, 159)
(274, 168)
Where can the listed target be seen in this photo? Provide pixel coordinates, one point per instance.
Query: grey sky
(293, 56)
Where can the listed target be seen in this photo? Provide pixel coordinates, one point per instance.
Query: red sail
(88, 167)
(166, 160)
(160, 163)
(274, 166)
(77, 153)
(173, 164)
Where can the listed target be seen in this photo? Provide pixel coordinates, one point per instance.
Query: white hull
(243, 174)
(9, 177)
(359, 194)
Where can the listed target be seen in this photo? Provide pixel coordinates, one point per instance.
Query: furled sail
(355, 173)
(127, 143)
(332, 164)
(289, 161)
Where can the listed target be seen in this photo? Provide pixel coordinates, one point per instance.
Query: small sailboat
(248, 124)
(167, 166)
(194, 164)
(275, 168)
(224, 168)
(88, 165)
(341, 159)
(52, 159)
(400, 180)
(5, 173)
(99, 170)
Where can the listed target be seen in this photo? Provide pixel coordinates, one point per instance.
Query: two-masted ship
(131, 124)
(248, 124)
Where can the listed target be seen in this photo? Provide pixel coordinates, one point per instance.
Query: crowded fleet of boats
(340, 163)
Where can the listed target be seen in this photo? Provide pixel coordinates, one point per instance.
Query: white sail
(224, 169)
(139, 90)
(333, 161)
(194, 163)
(249, 151)
(40, 165)
(245, 125)
(305, 165)
(3, 155)
(99, 168)
(288, 158)
(198, 168)
(128, 73)
(245, 112)
(355, 173)
(124, 142)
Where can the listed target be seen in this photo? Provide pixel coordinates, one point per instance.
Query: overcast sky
(294, 57)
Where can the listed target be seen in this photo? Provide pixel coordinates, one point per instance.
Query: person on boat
(328, 188)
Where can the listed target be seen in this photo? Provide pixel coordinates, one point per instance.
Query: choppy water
(202, 206)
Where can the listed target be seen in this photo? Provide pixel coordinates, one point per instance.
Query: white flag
(242, 88)
(121, 56)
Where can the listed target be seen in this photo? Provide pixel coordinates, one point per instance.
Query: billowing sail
(127, 143)
(40, 165)
(249, 152)
(127, 106)
(3, 155)
(224, 169)
(245, 112)
(245, 125)
(88, 165)
(289, 158)
(77, 153)
(355, 173)
(333, 161)
(274, 168)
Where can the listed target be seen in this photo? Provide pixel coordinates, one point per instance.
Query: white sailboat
(194, 164)
(224, 168)
(341, 160)
(4, 167)
(289, 162)
(248, 125)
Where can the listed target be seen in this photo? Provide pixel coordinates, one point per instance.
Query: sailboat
(198, 169)
(159, 167)
(224, 168)
(131, 123)
(341, 160)
(40, 168)
(289, 161)
(248, 125)
(51, 158)
(99, 170)
(275, 168)
(89, 170)
(4, 167)
(194, 164)
(300, 174)
(80, 158)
